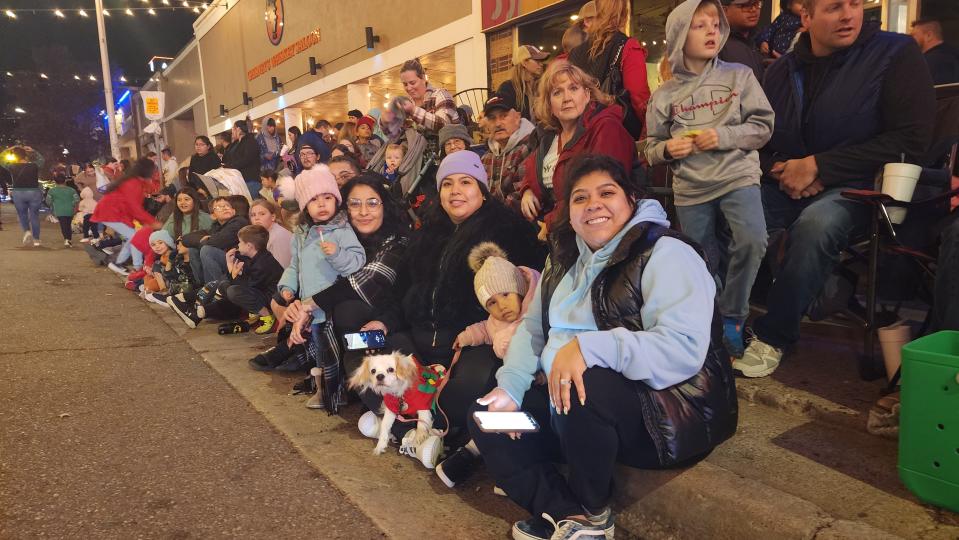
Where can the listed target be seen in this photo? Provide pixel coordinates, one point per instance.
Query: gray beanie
(454, 131)
(494, 273)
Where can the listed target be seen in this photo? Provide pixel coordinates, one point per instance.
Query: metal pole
(107, 81)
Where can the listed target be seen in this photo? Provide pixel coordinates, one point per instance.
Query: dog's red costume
(420, 396)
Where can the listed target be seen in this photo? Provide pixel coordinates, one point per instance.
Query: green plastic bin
(929, 419)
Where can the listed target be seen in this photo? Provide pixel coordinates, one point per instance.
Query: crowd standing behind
(325, 235)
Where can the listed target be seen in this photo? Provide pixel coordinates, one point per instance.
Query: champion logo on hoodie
(721, 98)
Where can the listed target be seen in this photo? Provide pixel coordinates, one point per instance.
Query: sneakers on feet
(66, 243)
(264, 325)
(369, 425)
(733, 337)
(759, 360)
(427, 452)
(538, 528)
(268, 360)
(456, 468)
(86, 240)
(294, 363)
(156, 298)
(27, 236)
(118, 269)
(570, 529)
(185, 310)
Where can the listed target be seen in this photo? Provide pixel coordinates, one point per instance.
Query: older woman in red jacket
(577, 117)
(122, 205)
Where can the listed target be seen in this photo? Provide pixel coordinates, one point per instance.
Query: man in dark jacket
(743, 16)
(848, 99)
(942, 58)
(316, 139)
(243, 154)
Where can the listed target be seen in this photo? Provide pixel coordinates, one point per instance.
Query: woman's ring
(565, 381)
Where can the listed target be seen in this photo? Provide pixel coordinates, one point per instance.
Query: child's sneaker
(266, 324)
(118, 269)
(185, 310)
(156, 298)
(427, 452)
(459, 466)
(733, 337)
(369, 425)
(760, 359)
(252, 318)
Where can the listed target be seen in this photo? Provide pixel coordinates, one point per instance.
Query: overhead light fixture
(76, 77)
(206, 6)
(151, 11)
(59, 13)
(387, 96)
(314, 65)
(83, 13)
(247, 100)
(574, 17)
(223, 110)
(9, 74)
(44, 76)
(129, 12)
(644, 44)
(19, 110)
(166, 2)
(10, 14)
(186, 4)
(196, 10)
(106, 13)
(123, 79)
(275, 85)
(163, 65)
(92, 78)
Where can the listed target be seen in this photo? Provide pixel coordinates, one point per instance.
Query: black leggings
(592, 438)
(66, 226)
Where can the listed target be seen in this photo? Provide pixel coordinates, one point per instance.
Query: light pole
(107, 80)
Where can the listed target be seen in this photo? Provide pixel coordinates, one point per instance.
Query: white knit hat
(494, 273)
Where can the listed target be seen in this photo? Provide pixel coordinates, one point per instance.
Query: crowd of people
(534, 261)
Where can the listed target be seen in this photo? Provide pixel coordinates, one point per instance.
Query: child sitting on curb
(170, 273)
(505, 291)
(254, 273)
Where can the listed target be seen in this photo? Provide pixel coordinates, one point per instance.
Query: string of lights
(164, 5)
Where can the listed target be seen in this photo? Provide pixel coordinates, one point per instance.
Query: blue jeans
(254, 188)
(817, 230)
(126, 232)
(208, 263)
(742, 254)
(28, 202)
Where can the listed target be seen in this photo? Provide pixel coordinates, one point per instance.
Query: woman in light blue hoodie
(623, 322)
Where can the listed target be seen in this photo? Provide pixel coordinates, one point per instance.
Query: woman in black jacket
(243, 154)
(435, 288)
(624, 324)
(202, 162)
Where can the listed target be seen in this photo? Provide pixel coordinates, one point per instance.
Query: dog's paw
(379, 449)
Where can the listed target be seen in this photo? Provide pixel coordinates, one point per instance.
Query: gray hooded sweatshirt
(725, 97)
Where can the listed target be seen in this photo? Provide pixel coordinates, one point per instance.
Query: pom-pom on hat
(494, 273)
(163, 235)
(465, 162)
(313, 182)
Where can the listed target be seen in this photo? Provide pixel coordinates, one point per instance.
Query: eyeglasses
(454, 143)
(221, 207)
(356, 204)
(750, 7)
(307, 153)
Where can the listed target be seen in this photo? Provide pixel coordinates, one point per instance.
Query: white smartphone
(506, 422)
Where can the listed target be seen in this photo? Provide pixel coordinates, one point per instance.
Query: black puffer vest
(685, 421)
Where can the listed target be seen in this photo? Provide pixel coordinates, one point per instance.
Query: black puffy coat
(436, 285)
(685, 421)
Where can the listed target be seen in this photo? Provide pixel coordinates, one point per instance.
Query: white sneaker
(118, 269)
(66, 243)
(759, 360)
(150, 298)
(109, 250)
(369, 425)
(36, 243)
(27, 236)
(427, 452)
(86, 240)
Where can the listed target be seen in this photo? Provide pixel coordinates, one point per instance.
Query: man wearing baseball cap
(509, 145)
(743, 16)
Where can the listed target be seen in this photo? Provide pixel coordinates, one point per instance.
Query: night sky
(132, 41)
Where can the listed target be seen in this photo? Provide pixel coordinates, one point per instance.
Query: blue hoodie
(678, 293)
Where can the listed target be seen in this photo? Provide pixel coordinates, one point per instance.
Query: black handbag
(613, 85)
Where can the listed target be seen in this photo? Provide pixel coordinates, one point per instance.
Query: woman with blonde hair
(521, 85)
(618, 62)
(576, 117)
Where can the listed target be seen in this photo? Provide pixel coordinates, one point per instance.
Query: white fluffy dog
(398, 378)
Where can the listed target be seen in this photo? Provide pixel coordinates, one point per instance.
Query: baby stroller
(416, 164)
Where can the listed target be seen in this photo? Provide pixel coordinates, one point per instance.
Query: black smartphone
(371, 339)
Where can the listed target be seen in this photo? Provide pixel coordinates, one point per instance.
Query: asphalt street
(111, 426)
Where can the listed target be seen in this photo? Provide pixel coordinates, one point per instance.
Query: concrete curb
(704, 501)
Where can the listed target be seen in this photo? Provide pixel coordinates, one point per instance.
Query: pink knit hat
(316, 181)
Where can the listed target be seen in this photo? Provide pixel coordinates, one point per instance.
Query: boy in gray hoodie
(707, 123)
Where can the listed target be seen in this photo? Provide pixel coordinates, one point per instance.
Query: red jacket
(421, 393)
(123, 205)
(600, 131)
